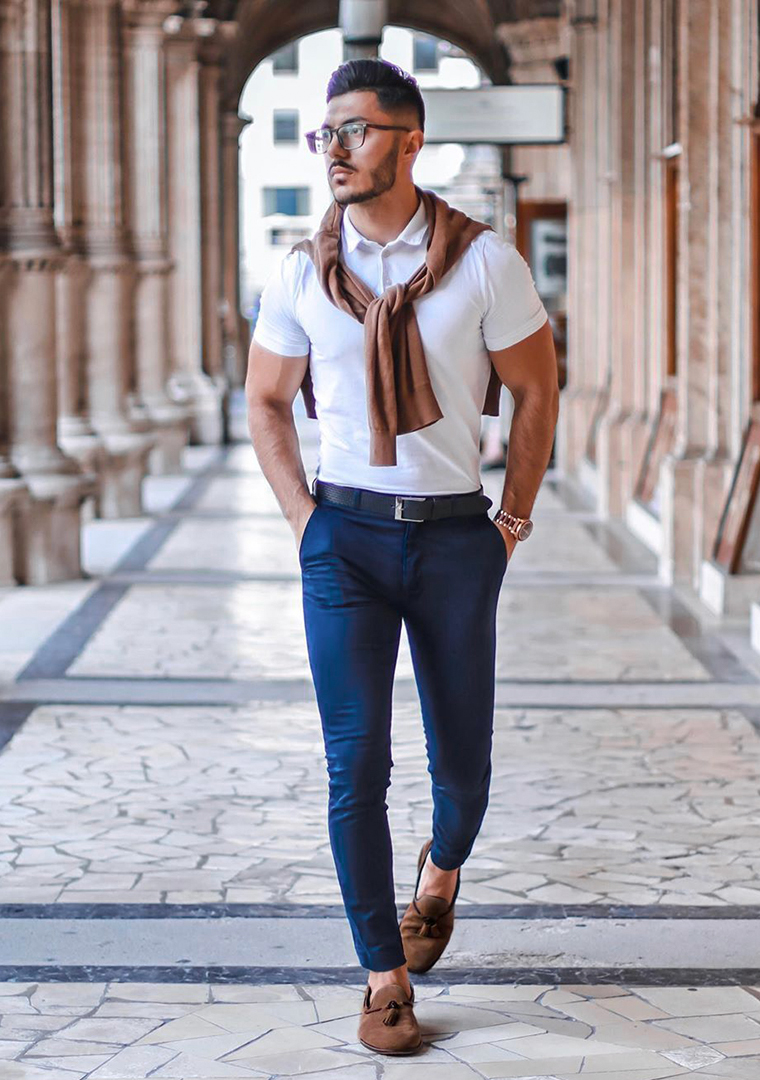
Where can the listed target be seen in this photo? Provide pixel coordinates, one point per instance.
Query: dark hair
(395, 88)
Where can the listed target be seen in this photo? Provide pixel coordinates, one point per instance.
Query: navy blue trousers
(361, 574)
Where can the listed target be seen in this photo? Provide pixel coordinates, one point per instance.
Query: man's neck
(383, 221)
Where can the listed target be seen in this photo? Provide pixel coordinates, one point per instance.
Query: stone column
(683, 536)
(12, 487)
(660, 85)
(580, 396)
(621, 431)
(189, 381)
(729, 384)
(716, 468)
(145, 122)
(98, 195)
(75, 432)
(45, 540)
(234, 326)
(210, 122)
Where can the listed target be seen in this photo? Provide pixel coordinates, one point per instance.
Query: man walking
(399, 320)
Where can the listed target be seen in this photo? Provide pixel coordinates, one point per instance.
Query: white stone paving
(196, 804)
(227, 803)
(118, 1030)
(254, 630)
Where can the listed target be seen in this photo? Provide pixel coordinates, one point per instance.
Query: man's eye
(351, 129)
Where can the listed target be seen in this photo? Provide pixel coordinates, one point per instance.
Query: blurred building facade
(284, 188)
(120, 316)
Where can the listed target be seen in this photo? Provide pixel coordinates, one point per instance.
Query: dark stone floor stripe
(658, 912)
(148, 545)
(69, 639)
(142, 551)
(534, 976)
(752, 715)
(630, 555)
(13, 715)
(65, 644)
(706, 648)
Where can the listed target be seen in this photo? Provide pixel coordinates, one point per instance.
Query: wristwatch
(521, 528)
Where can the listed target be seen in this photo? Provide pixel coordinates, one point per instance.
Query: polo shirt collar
(413, 233)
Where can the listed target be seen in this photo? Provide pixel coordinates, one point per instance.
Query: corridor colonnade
(119, 329)
(664, 369)
(119, 263)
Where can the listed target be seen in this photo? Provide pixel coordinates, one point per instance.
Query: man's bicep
(273, 378)
(530, 364)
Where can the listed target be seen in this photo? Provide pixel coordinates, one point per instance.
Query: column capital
(92, 3)
(233, 125)
(148, 14)
(207, 30)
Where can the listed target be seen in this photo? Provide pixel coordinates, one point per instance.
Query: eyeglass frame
(363, 124)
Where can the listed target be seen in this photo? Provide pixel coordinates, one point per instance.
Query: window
(285, 60)
(425, 53)
(286, 200)
(285, 122)
(279, 237)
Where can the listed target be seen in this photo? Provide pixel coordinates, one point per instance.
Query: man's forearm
(531, 435)
(275, 442)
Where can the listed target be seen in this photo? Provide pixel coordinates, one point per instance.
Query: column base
(124, 464)
(620, 441)
(588, 478)
(165, 458)
(727, 594)
(204, 399)
(644, 525)
(171, 434)
(12, 491)
(612, 464)
(47, 528)
(120, 463)
(577, 409)
(676, 487)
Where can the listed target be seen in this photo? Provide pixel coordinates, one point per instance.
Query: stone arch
(266, 25)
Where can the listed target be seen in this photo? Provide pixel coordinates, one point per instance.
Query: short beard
(382, 179)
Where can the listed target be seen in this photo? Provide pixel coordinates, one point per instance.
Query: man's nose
(335, 150)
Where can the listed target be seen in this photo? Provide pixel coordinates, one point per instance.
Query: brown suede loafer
(387, 1023)
(427, 923)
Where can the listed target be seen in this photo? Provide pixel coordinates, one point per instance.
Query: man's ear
(415, 144)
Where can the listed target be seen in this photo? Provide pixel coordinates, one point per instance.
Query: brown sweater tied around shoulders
(400, 398)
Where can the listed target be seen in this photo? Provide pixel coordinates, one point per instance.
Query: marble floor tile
(225, 831)
(254, 630)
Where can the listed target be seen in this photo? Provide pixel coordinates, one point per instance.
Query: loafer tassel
(392, 1010)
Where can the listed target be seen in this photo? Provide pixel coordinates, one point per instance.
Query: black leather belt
(402, 507)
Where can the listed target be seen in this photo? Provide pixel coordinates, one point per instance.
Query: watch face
(525, 530)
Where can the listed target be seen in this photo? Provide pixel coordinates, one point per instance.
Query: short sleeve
(277, 327)
(513, 308)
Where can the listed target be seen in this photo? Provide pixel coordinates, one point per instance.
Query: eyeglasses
(350, 136)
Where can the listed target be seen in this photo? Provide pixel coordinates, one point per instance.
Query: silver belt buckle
(398, 513)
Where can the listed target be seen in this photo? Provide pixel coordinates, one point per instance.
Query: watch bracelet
(502, 516)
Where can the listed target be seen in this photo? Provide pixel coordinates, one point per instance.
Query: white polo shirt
(487, 300)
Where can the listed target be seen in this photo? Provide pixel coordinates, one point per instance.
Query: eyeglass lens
(351, 137)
